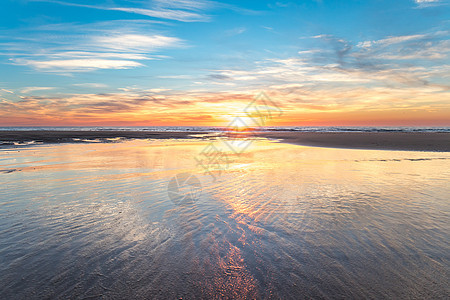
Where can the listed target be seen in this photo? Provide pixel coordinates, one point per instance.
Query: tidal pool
(274, 221)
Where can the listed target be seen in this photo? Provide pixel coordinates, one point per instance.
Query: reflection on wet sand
(281, 221)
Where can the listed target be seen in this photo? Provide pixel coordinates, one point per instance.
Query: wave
(222, 128)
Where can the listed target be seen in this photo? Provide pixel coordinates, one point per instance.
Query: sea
(221, 128)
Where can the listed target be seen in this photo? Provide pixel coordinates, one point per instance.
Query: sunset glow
(175, 63)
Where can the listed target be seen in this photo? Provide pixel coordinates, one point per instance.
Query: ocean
(218, 128)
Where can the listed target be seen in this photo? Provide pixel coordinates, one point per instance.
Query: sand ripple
(291, 222)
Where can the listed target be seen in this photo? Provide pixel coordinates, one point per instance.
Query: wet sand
(64, 136)
(413, 141)
(280, 221)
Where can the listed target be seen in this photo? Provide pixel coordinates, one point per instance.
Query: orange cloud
(301, 107)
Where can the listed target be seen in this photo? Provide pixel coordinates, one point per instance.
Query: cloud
(117, 44)
(185, 4)
(177, 15)
(67, 48)
(235, 31)
(219, 77)
(158, 90)
(135, 42)
(394, 61)
(176, 76)
(163, 107)
(429, 3)
(193, 5)
(386, 61)
(106, 55)
(91, 85)
(416, 64)
(132, 106)
(312, 51)
(78, 65)
(421, 47)
(177, 10)
(391, 40)
(31, 89)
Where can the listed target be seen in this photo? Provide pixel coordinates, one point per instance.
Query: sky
(194, 63)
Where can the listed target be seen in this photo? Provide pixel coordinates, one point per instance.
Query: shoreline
(407, 141)
(8, 138)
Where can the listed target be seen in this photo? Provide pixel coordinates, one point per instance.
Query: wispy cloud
(77, 65)
(7, 91)
(179, 15)
(235, 31)
(176, 76)
(134, 42)
(186, 4)
(32, 89)
(177, 10)
(429, 3)
(91, 85)
(419, 47)
(68, 48)
(184, 11)
(391, 40)
(387, 60)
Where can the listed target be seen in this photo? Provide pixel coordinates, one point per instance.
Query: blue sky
(327, 62)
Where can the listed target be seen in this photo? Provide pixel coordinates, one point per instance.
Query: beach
(413, 141)
(194, 149)
(66, 136)
(278, 220)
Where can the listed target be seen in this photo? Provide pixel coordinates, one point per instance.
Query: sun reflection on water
(280, 220)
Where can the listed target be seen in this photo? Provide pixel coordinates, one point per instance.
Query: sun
(240, 122)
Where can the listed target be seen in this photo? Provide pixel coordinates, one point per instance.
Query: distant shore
(412, 141)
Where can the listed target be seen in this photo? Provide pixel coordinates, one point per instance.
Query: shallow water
(279, 221)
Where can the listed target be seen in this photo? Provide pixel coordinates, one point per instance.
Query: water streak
(283, 221)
